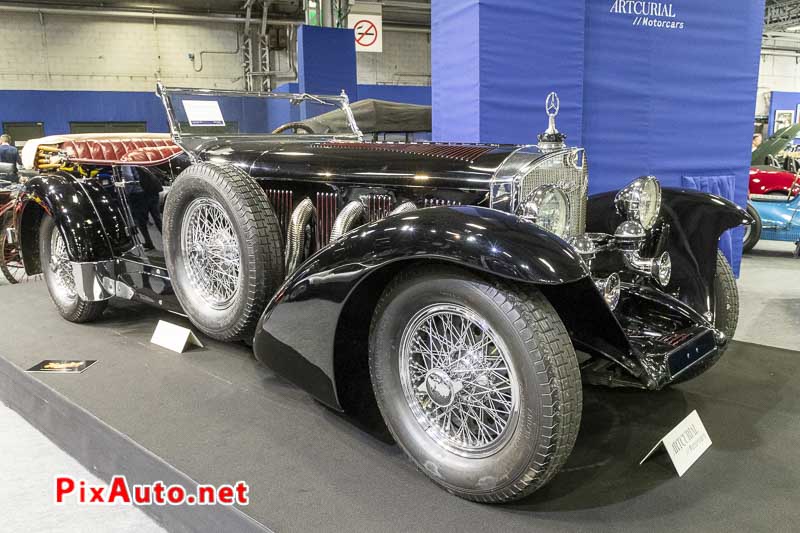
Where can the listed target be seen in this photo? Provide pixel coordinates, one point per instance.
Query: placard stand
(174, 337)
(684, 444)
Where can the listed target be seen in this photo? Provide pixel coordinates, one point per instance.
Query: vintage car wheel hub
(458, 381)
(60, 266)
(211, 250)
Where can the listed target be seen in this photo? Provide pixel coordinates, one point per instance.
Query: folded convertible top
(374, 116)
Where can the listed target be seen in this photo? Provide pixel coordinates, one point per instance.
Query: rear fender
(87, 216)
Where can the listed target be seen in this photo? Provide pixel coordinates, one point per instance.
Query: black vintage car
(470, 287)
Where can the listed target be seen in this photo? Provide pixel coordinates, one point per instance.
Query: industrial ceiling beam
(397, 4)
(139, 14)
(170, 16)
(781, 15)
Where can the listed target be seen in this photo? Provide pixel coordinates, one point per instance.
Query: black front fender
(690, 227)
(296, 333)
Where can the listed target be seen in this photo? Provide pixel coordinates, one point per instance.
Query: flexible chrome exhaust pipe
(303, 214)
(352, 216)
(405, 207)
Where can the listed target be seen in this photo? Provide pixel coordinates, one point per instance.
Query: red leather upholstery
(119, 151)
(152, 155)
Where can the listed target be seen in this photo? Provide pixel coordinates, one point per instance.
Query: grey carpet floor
(218, 416)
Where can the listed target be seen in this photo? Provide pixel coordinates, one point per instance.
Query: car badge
(552, 105)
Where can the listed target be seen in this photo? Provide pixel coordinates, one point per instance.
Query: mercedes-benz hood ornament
(552, 139)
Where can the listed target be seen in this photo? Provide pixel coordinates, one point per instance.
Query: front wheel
(726, 313)
(10, 261)
(477, 381)
(59, 278)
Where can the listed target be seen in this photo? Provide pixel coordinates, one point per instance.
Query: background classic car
(470, 288)
(774, 199)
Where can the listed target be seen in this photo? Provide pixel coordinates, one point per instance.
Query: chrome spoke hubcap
(458, 381)
(211, 249)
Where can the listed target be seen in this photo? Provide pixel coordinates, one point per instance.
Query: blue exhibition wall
(675, 103)
(666, 88)
(495, 61)
(783, 101)
(56, 109)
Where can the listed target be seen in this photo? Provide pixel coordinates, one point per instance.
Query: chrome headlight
(640, 201)
(629, 236)
(548, 207)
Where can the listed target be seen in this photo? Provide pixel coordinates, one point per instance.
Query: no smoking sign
(368, 30)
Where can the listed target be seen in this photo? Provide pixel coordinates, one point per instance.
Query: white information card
(685, 443)
(174, 337)
(203, 113)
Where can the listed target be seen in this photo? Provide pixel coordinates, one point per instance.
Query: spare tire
(223, 248)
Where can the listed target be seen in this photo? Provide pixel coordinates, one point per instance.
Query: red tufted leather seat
(151, 155)
(120, 151)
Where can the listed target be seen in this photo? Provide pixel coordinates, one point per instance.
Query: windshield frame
(165, 94)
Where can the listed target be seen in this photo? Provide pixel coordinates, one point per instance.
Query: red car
(771, 171)
(765, 179)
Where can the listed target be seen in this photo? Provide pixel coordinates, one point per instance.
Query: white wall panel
(405, 60)
(71, 53)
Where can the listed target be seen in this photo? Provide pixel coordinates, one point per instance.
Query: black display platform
(217, 416)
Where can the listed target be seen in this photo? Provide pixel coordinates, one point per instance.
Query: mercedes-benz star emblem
(552, 104)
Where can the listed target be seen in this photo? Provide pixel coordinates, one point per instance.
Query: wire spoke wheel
(11, 263)
(458, 381)
(213, 256)
(60, 265)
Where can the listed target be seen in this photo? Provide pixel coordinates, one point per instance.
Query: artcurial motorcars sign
(649, 14)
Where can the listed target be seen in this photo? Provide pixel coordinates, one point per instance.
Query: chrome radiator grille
(567, 169)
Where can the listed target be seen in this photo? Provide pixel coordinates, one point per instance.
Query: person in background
(9, 155)
(757, 139)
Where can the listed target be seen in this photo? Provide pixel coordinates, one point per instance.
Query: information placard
(685, 443)
(203, 113)
(174, 337)
(62, 366)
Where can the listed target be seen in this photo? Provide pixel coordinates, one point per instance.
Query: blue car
(774, 190)
(777, 218)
